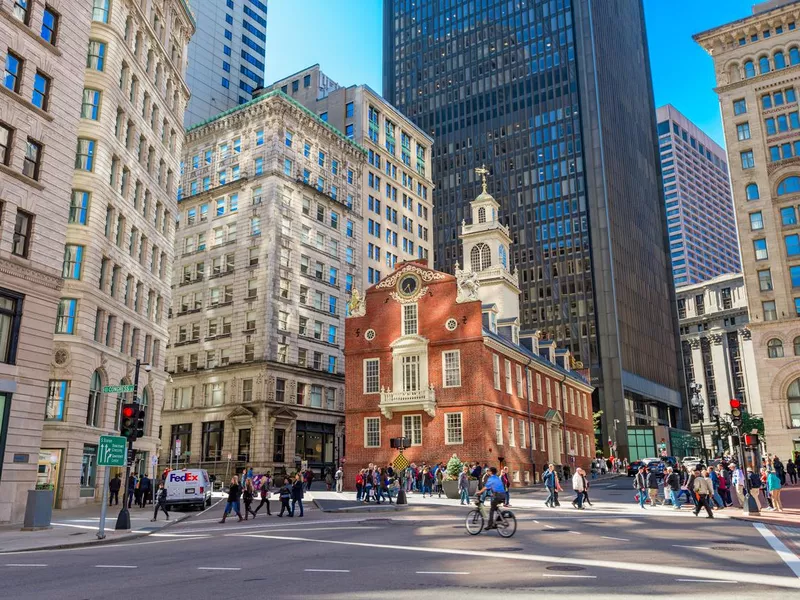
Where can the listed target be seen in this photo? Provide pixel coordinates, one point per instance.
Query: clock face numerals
(408, 286)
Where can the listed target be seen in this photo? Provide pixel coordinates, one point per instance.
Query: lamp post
(696, 404)
(715, 414)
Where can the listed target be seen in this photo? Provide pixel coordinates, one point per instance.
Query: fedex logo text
(183, 477)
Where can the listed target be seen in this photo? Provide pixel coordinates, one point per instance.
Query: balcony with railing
(424, 399)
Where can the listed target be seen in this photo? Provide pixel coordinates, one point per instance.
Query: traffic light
(751, 439)
(128, 425)
(140, 415)
(736, 412)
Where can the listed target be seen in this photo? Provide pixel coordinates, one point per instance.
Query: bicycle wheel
(507, 526)
(474, 522)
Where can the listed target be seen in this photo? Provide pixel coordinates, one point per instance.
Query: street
(611, 549)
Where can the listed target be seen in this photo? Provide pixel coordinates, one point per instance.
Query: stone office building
(268, 251)
(43, 48)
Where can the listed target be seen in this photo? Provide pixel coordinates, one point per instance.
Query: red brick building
(439, 359)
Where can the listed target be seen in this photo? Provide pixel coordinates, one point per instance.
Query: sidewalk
(790, 498)
(79, 526)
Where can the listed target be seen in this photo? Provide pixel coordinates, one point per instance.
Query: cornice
(31, 275)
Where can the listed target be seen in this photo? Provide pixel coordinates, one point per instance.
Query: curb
(367, 509)
(778, 522)
(126, 537)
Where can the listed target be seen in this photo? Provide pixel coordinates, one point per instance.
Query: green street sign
(117, 389)
(113, 451)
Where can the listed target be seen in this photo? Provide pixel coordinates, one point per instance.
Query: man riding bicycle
(493, 485)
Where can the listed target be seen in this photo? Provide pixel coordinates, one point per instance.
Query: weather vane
(483, 172)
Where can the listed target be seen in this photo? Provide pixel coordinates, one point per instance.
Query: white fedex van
(188, 487)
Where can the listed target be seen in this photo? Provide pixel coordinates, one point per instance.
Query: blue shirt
(495, 484)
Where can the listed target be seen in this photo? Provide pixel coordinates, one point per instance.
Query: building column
(699, 373)
(750, 372)
(722, 371)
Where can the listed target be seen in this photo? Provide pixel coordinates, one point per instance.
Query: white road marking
(327, 570)
(535, 521)
(639, 567)
(708, 580)
(442, 572)
(219, 568)
(116, 567)
(780, 548)
(571, 576)
(76, 526)
(179, 535)
(608, 537)
(575, 532)
(692, 547)
(25, 565)
(549, 526)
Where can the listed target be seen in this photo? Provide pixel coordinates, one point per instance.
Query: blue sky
(345, 38)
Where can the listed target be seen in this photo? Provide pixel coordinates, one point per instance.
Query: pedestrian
(477, 471)
(137, 490)
(640, 484)
(704, 489)
(779, 469)
(297, 493)
(427, 480)
(247, 495)
(673, 481)
(113, 490)
(652, 487)
(755, 483)
(507, 485)
(359, 485)
(549, 479)
(234, 494)
(738, 482)
(585, 487)
(144, 490)
(577, 487)
(725, 484)
(367, 485)
(160, 502)
(264, 489)
(328, 480)
(463, 485)
(715, 482)
(762, 485)
(439, 480)
(339, 477)
(309, 479)
(285, 494)
(383, 483)
(791, 471)
(774, 488)
(131, 488)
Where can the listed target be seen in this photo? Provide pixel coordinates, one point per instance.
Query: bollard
(401, 497)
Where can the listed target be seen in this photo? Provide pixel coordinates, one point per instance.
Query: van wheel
(208, 502)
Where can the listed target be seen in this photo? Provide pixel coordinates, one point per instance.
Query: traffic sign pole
(101, 533)
(124, 517)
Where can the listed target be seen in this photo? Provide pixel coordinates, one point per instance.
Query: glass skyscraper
(554, 96)
(226, 56)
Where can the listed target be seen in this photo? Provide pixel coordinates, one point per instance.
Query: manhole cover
(554, 530)
(565, 568)
(729, 549)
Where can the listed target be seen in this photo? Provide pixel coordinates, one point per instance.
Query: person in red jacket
(507, 485)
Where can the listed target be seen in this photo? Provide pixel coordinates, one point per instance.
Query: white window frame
(542, 445)
(498, 429)
(558, 396)
(580, 444)
(532, 434)
(367, 421)
(406, 319)
(549, 393)
(509, 390)
(539, 388)
(572, 403)
(512, 442)
(409, 433)
(366, 388)
(496, 370)
(447, 439)
(520, 387)
(529, 384)
(522, 442)
(445, 355)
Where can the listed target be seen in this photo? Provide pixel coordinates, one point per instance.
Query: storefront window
(212, 440)
(182, 432)
(244, 445)
(89, 466)
(279, 437)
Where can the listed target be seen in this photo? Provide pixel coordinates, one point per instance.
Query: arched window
(763, 65)
(480, 257)
(752, 191)
(793, 397)
(775, 348)
(749, 69)
(794, 56)
(779, 60)
(797, 346)
(482, 215)
(95, 394)
(790, 185)
(503, 257)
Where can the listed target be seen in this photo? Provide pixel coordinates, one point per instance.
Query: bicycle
(505, 521)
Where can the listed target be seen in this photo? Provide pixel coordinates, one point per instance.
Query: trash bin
(38, 510)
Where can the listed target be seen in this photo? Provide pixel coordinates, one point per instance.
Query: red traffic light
(735, 403)
(127, 412)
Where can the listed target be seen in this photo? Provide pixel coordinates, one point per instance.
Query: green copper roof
(293, 102)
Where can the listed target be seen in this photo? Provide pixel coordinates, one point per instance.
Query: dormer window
(482, 215)
(480, 257)
(492, 322)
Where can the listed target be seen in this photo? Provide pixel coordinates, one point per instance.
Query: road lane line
(575, 532)
(327, 570)
(219, 568)
(549, 526)
(708, 580)
(716, 574)
(692, 547)
(608, 537)
(570, 576)
(116, 567)
(25, 565)
(442, 572)
(789, 557)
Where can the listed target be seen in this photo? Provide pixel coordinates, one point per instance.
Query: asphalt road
(609, 550)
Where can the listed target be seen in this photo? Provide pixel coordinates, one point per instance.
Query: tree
(596, 419)
(749, 423)
(454, 466)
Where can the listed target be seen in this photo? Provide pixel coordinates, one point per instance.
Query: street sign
(112, 451)
(177, 447)
(400, 463)
(117, 389)
(154, 460)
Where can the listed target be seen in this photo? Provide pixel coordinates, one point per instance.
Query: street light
(715, 414)
(696, 403)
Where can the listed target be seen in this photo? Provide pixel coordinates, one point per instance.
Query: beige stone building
(397, 179)
(43, 48)
(120, 234)
(757, 65)
(268, 251)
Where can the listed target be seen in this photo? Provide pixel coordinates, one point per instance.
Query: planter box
(38, 510)
(451, 488)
